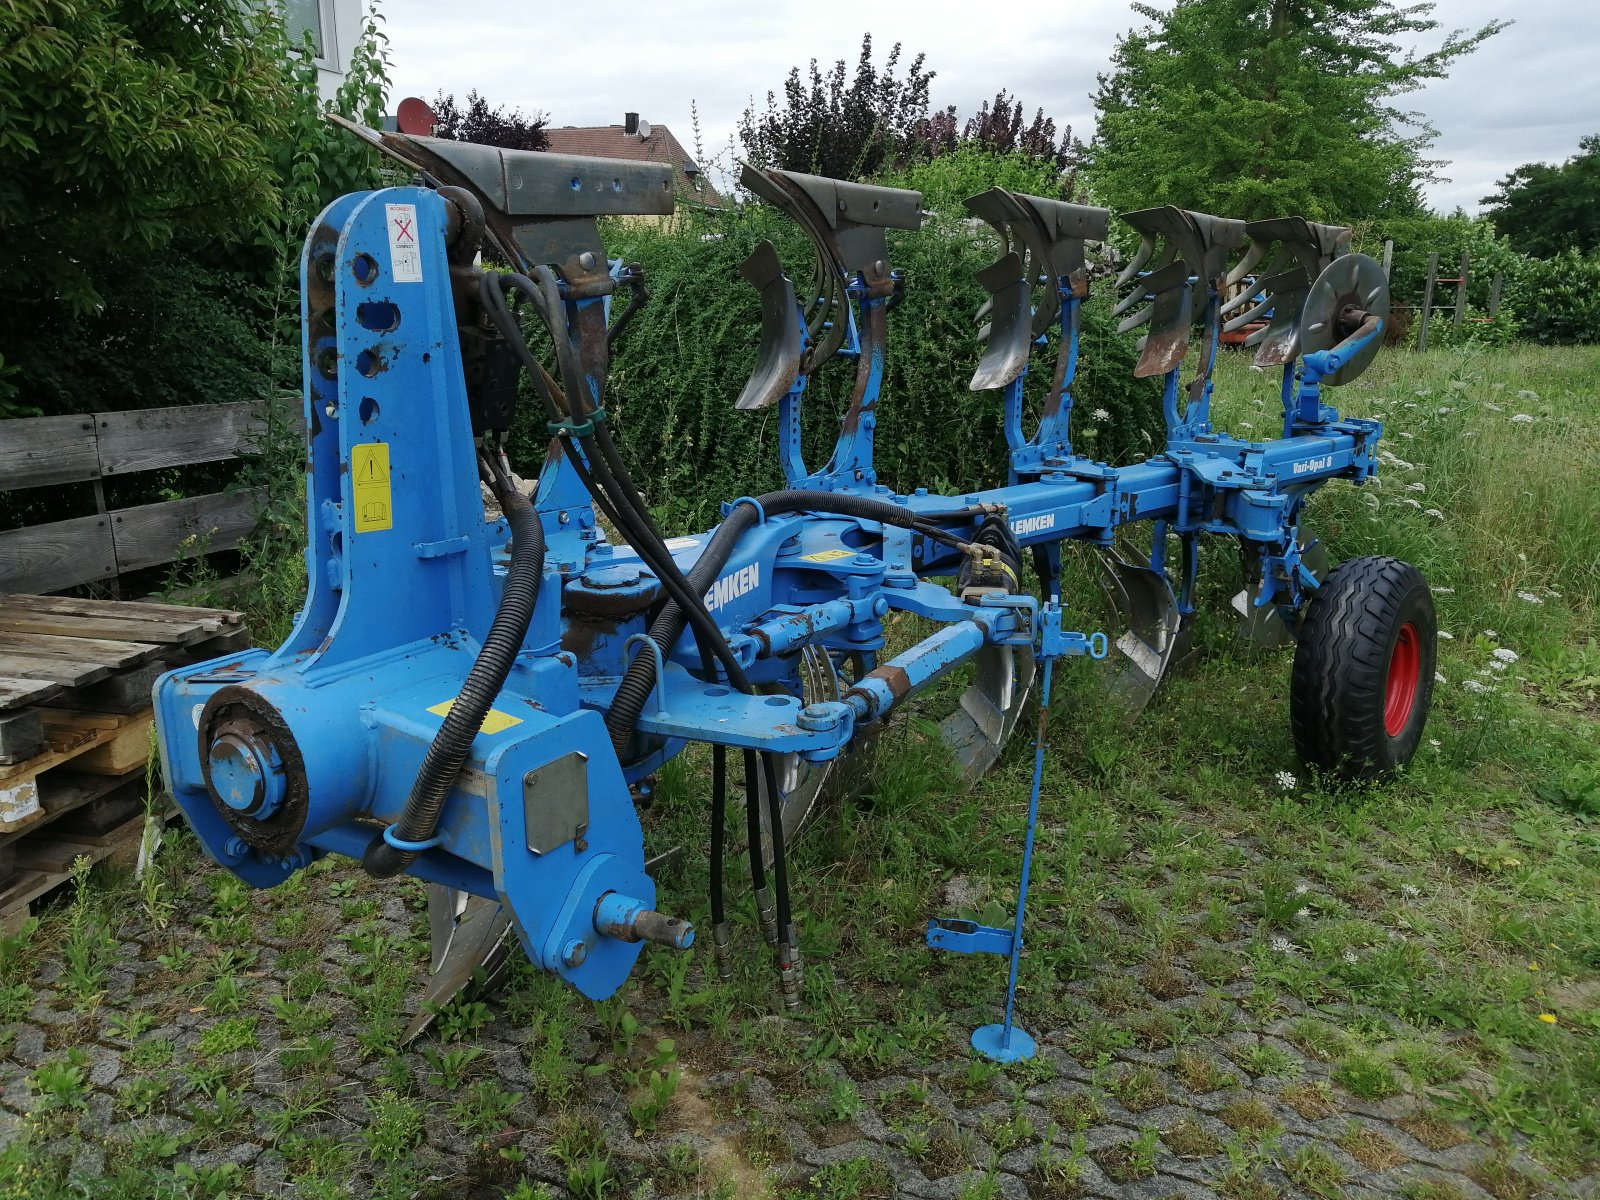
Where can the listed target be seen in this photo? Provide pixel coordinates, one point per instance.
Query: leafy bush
(1559, 299)
(683, 362)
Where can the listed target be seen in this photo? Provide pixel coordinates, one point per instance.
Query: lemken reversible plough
(477, 696)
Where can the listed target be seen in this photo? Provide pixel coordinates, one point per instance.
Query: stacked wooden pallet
(75, 727)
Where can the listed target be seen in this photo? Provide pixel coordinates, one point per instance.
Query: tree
(1258, 108)
(1545, 210)
(499, 126)
(128, 125)
(838, 125)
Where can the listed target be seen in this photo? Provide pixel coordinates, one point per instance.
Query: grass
(1291, 951)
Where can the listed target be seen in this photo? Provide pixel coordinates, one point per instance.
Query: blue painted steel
(405, 574)
(1005, 1041)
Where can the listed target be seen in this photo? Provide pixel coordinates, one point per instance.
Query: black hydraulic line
(758, 857)
(788, 938)
(448, 751)
(719, 837)
(668, 626)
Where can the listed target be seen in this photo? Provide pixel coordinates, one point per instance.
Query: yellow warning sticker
(369, 484)
(495, 722)
(827, 556)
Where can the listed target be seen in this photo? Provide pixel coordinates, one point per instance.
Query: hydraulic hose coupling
(769, 919)
(789, 973)
(722, 944)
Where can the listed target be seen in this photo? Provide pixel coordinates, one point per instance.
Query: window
(313, 18)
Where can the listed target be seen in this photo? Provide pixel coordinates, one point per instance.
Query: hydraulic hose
(420, 819)
(668, 626)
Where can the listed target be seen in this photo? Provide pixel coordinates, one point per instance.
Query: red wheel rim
(1405, 668)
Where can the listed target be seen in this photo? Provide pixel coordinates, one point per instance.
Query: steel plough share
(479, 695)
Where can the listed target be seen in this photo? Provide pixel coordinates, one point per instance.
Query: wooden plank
(15, 692)
(37, 451)
(67, 736)
(62, 554)
(65, 791)
(21, 734)
(146, 439)
(158, 633)
(31, 883)
(104, 651)
(56, 670)
(122, 752)
(211, 618)
(153, 534)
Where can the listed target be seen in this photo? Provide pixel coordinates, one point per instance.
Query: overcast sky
(1527, 95)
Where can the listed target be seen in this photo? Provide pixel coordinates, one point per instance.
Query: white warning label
(405, 255)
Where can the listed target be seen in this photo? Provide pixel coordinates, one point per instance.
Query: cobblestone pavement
(248, 1047)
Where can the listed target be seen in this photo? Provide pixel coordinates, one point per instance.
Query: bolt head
(574, 953)
(586, 260)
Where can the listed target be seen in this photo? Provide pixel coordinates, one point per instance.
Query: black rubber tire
(1339, 688)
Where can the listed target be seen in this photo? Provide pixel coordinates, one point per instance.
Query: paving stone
(27, 1044)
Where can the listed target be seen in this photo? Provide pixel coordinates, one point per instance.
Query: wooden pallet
(44, 861)
(75, 680)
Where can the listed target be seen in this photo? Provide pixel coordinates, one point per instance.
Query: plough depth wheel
(1363, 670)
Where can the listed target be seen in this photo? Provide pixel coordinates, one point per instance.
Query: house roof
(614, 141)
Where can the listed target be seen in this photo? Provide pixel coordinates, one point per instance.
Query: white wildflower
(1435, 743)
(1408, 436)
(1490, 634)
(1285, 780)
(1529, 598)
(1493, 407)
(1349, 956)
(1246, 425)
(1100, 414)
(1446, 411)
(1410, 890)
(1434, 513)
(1300, 889)
(1444, 591)
(1521, 419)
(1447, 635)
(1505, 655)
(1470, 433)
(1438, 677)
(1526, 394)
(1417, 504)
(1497, 666)
(1423, 392)
(1302, 914)
(711, 237)
(1284, 946)
(1416, 487)
(1472, 685)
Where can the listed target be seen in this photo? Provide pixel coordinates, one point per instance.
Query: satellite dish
(644, 128)
(415, 117)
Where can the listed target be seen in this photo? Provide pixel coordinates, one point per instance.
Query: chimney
(630, 123)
